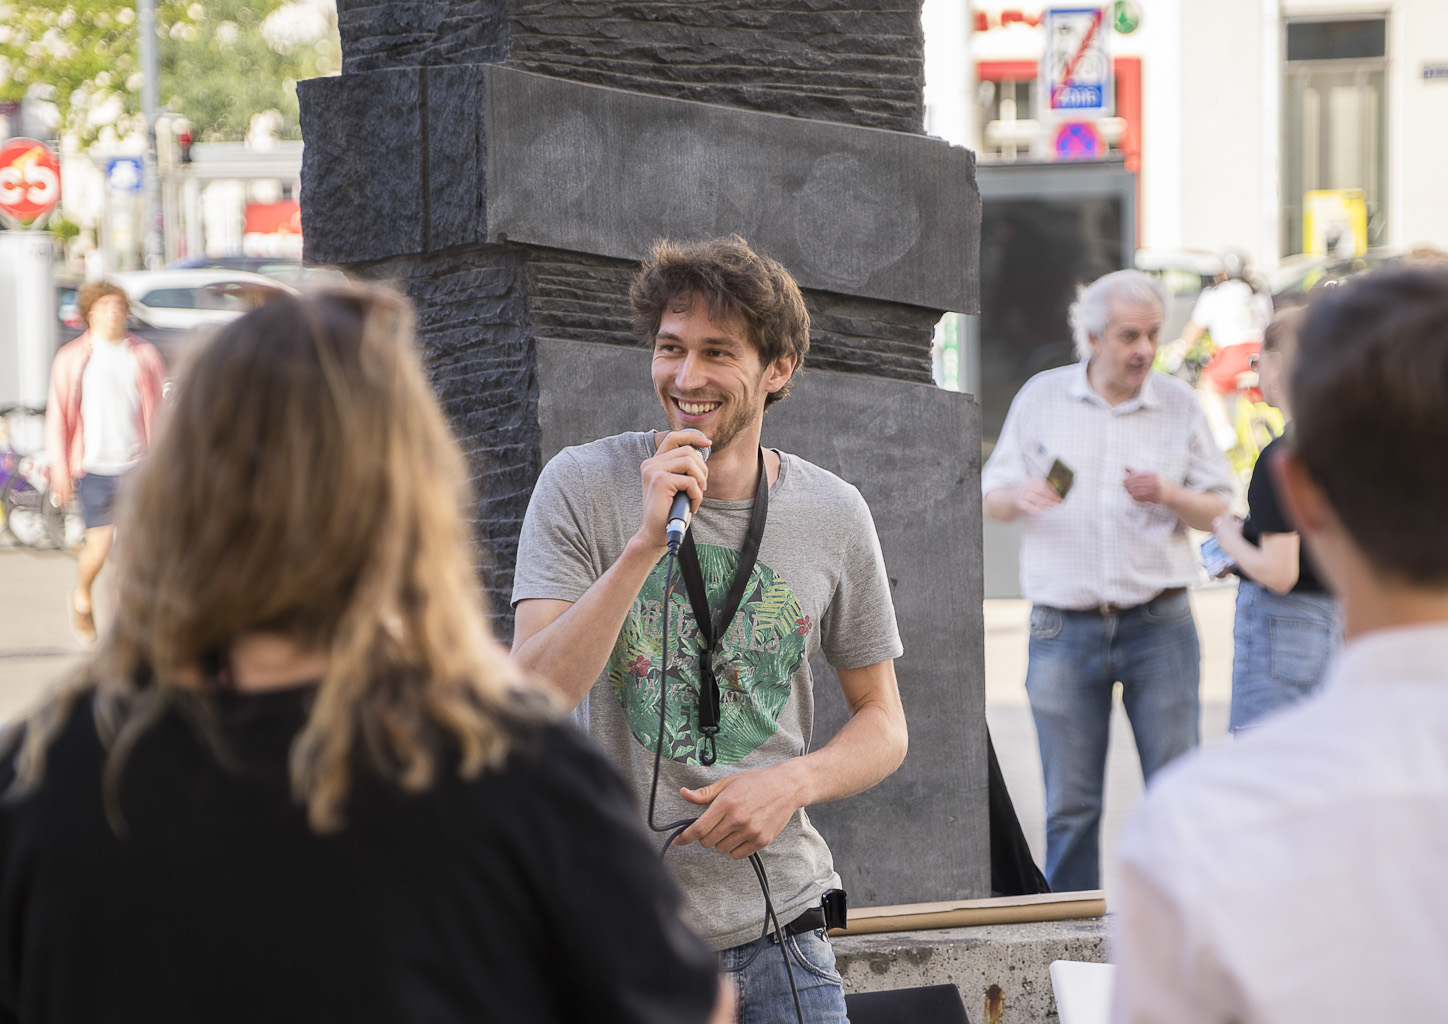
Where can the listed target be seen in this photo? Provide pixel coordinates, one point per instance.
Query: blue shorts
(97, 493)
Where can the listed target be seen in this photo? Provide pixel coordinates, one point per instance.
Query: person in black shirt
(298, 780)
(1287, 624)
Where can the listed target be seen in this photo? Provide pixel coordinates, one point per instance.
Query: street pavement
(37, 650)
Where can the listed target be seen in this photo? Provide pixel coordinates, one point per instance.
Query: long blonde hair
(305, 483)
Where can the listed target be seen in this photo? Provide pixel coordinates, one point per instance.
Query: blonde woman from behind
(297, 780)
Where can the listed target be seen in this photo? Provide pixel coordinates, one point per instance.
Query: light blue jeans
(763, 987)
(1280, 646)
(1076, 658)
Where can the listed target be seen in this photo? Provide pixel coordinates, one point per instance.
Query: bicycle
(31, 518)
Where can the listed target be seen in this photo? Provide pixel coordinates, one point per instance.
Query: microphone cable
(676, 828)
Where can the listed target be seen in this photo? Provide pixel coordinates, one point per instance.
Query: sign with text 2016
(1075, 64)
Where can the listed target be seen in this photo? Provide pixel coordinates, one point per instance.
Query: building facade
(1229, 112)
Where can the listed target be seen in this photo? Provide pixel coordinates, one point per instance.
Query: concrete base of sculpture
(1002, 970)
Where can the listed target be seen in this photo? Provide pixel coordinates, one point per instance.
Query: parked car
(1296, 276)
(195, 298)
(168, 307)
(293, 272)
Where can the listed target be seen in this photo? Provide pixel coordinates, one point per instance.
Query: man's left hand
(744, 812)
(1144, 487)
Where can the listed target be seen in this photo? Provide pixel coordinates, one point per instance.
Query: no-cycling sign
(1076, 66)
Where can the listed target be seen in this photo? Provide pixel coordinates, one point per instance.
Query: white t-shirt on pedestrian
(1232, 313)
(110, 410)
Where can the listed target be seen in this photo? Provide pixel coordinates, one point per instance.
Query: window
(1335, 133)
(170, 298)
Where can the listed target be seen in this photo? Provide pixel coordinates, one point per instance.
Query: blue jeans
(1280, 647)
(97, 494)
(1075, 660)
(763, 987)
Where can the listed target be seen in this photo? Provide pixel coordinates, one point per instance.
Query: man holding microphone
(785, 563)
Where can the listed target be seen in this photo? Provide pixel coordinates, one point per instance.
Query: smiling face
(1121, 357)
(709, 376)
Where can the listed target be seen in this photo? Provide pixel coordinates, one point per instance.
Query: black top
(1265, 515)
(526, 895)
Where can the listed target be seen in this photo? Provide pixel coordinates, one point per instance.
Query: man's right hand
(568, 642)
(676, 466)
(1036, 496)
(61, 490)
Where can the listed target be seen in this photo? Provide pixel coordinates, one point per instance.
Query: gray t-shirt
(819, 585)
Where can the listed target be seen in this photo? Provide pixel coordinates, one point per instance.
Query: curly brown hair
(735, 283)
(93, 291)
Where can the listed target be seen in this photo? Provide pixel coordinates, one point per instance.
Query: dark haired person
(298, 780)
(1287, 623)
(728, 330)
(105, 391)
(1296, 873)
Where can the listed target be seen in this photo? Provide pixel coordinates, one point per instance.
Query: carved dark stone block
(487, 154)
(478, 348)
(363, 180)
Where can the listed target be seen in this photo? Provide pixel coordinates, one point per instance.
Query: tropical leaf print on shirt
(763, 649)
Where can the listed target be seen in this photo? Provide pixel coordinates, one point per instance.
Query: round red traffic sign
(29, 180)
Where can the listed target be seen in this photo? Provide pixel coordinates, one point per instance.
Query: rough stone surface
(585, 298)
(1002, 971)
(472, 323)
(379, 34)
(883, 339)
(833, 60)
(363, 181)
(454, 167)
(922, 834)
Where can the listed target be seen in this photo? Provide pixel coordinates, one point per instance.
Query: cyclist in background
(105, 389)
(1235, 312)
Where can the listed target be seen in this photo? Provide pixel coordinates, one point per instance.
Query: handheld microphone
(679, 513)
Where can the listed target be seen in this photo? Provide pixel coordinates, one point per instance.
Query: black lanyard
(713, 630)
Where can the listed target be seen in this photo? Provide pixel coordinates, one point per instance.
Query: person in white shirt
(105, 392)
(1296, 874)
(1105, 555)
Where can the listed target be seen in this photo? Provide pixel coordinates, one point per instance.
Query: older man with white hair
(1109, 464)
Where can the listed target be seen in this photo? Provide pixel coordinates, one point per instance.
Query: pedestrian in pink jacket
(105, 390)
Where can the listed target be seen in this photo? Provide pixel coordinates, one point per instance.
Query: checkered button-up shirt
(1100, 546)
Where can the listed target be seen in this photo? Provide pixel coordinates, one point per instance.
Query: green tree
(221, 62)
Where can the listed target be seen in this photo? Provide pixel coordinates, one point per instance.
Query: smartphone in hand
(1216, 561)
(1060, 477)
